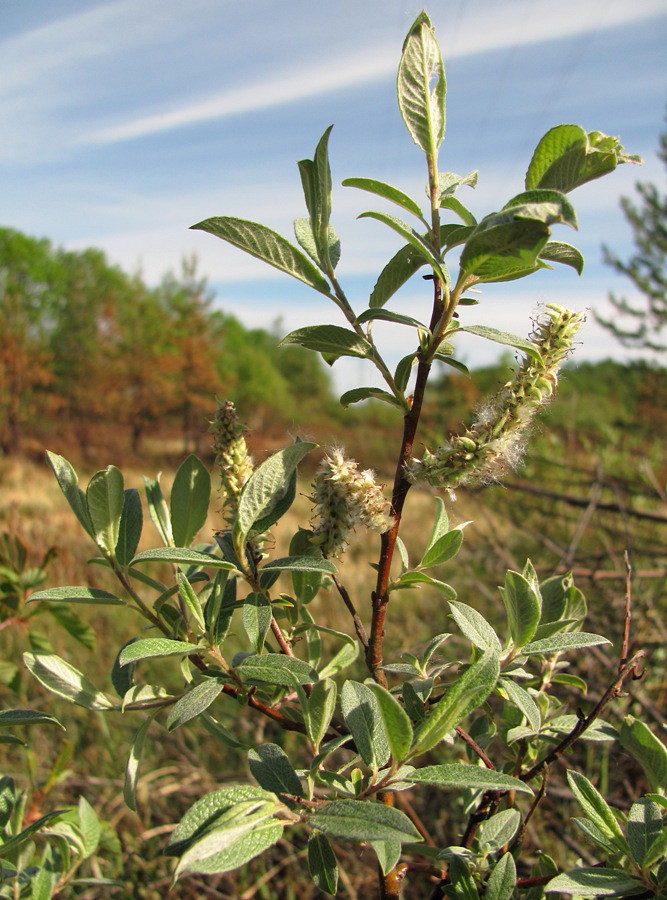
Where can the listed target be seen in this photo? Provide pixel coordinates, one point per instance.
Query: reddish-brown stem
(358, 624)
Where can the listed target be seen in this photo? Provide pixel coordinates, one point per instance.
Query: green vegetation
(302, 704)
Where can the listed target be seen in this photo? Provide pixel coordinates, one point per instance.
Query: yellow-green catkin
(344, 498)
(495, 441)
(231, 455)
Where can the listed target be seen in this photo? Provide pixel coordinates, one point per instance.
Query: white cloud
(499, 26)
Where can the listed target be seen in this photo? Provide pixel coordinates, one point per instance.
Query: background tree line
(86, 347)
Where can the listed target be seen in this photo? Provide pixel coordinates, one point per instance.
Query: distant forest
(96, 359)
(84, 346)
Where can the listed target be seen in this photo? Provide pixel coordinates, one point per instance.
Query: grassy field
(584, 497)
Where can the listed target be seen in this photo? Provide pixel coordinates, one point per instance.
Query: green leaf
(89, 825)
(595, 882)
(132, 767)
(62, 679)
(449, 182)
(342, 659)
(388, 854)
(497, 253)
(256, 616)
(193, 703)
(560, 252)
(594, 805)
(229, 846)
(149, 648)
(564, 642)
(330, 339)
(444, 549)
(465, 775)
(657, 851)
(356, 395)
(360, 820)
(300, 564)
(204, 813)
(534, 204)
(522, 700)
(73, 624)
(27, 717)
(105, 498)
(460, 209)
(463, 885)
(191, 600)
(322, 863)
(265, 489)
(499, 830)
(413, 579)
(475, 627)
(567, 157)
(303, 232)
(413, 238)
(320, 209)
(396, 722)
(502, 880)
(275, 668)
(647, 749)
(523, 605)
(158, 510)
(11, 844)
(130, 527)
(361, 712)
(265, 244)
(190, 496)
(400, 268)
(403, 371)
(318, 709)
(76, 595)
(371, 314)
(388, 192)
(69, 485)
(273, 771)
(644, 828)
(182, 556)
(422, 87)
(464, 695)
(503, 337)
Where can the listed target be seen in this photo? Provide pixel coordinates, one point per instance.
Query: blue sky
(126, 121)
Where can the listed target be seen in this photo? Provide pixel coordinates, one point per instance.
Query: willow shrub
(486, 724)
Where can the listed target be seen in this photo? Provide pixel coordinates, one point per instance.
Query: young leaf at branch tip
(266, 245)
(422, 107)
(567, 157)
(69, 485)
(190, 495)
(105, 498)
(523, 605)
(158, 510)
(129, 533)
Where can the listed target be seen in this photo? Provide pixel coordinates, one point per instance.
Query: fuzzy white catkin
(344, 499)
(495, 442)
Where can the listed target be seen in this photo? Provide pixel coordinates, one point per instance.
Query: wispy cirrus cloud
(486, 27)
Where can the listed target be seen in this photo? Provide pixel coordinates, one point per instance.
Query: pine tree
(638, 324)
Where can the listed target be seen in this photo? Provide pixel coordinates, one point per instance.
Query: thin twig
(472, 743)
(614, 689)
(625, 650)
(358, 624)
